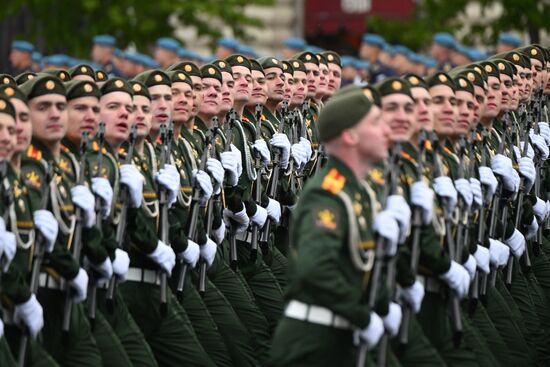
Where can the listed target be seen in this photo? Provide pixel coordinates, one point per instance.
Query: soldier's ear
(349, 137)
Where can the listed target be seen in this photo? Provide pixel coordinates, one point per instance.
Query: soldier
(335, 72)
(21, 56)
(102, 53)
(166, 52)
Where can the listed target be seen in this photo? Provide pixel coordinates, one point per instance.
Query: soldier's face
(8, 136)
(289, 87)
(423, 113)
(493, 98)
(479, 102)
(465, 112)
(164, 57)
(83, 116)
(275, 81)
(372, 136)
(228, 92)
(211, 89)
(398, 113)
(197, 95)
(243, 83)
(161, 105)
(322, 86)
(300, 85)
(547, 84)
(519, 82)
(116, 109)
(514, 92)
(506, 85)
(334, 78)
(444, 109)
(19, 59)
(312, 79)
(49, 117)
(142, 115)
(259, 89)
(182, 99)
(536, 69)
(101, 53)
(23, 125)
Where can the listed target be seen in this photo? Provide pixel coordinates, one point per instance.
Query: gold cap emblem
(30, 77)
(275, 61)
(62, 76)
(442, 78)
(534, 51)
(2, 105)
(368, 94)
(211, 71)
(158, 78)
(181, 76)
(414, 80)
(188, 68)
(9, 92)
(136, 87)
(471, 77)
(488, 68)
(50, 85)
(330, 57)
(84, 69)
(222, 64)
(6, 81)
(462, 82)
(308, 57)
(396, 85)
(119, 84)
(88, 88)
(515, 57)
(295, 64)
(240, 59)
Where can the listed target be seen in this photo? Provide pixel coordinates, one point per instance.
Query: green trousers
(36, 355)
(6, 359)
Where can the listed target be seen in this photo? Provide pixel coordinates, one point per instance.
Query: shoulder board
(333, 182)
(408, 157)
(34, 153)
(64, 149)
(32, 174)
(244, 118)
(95, 148)
(428, 145)
(377, 176)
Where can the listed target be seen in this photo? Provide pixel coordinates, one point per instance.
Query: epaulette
(334, 181)
(244, 118)
(95, 148)
(408, 157)
(377, 176)
(34, 153)
(64, 148)
(428, 146)
(122, 152)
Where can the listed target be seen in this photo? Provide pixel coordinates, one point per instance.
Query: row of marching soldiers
(152, 221)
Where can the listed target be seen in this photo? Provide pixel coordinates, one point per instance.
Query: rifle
(37, 259)
(538, 164)
(416, 233)
(92, 285)
(77, 242)
(258, 183)
(231, 119)
(123, 215)
(473, 292)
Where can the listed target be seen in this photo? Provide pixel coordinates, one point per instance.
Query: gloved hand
(488, 179)
(392, 320)
(502, 166)
(372, 333)
(274, 210)
(261, 147)
(532, 229)
(218, 234)
(530, 151)
(133, 179)
(280, 140)
(397, 206)
(259, 217)
(498, 253)
(239, 219)
(31, 314)
(545, 131)
(386, 226)
(414, 295)
(463, 187)
(444, 188)
(540, 144)
(8, 247)
(299, 154)
(215, 168)
(475, 186)
(80, 285)
(457, 279)
(164, 256)
(540, 210)
(516, 242)
(1, 328)
(169, 179)
(422, 197)
(191, 253)
(84, 199)
(121, 263)
(208, 251)
(527, 170)
(470, 265)
(102, 188)
(104, 270)
(202, 180)
(232, 163)
(482, 259)
(47, 225)
(307, 145)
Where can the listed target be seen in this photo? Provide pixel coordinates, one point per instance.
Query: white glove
(392, 320)
(527, 170)
(470, 265)
(498, 253)
(80, 286)
(239, 219)
(482, 259)
(477, 197)
(169, 179)
(457, 279)
(84, 199)
(208, 251)
(102, 188)
(299, 154)
(463, 187)
(31, 314)
(280, 140)
(532, 229)
(45, 222)
(219, 233)
(259, 217)
(164, 256)
(104, 270)
(261, 147)
(540, 209)
(488, 179)
(530, 151)
(8, 247)
(444, 188)
(372, 333)
(307, 145)
(231, 161)
(516, 242)
(202, 179)
(386, 226)
(121, 263)
(191, 253)
(397, 206)
(133, 179)
(502, 166)
(540, 144)
(1, 328)
(423, 197)
(545, 131)
(216, 170)
(414, 295)
(274, 210)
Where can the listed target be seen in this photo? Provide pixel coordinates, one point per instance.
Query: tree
(70, 25)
